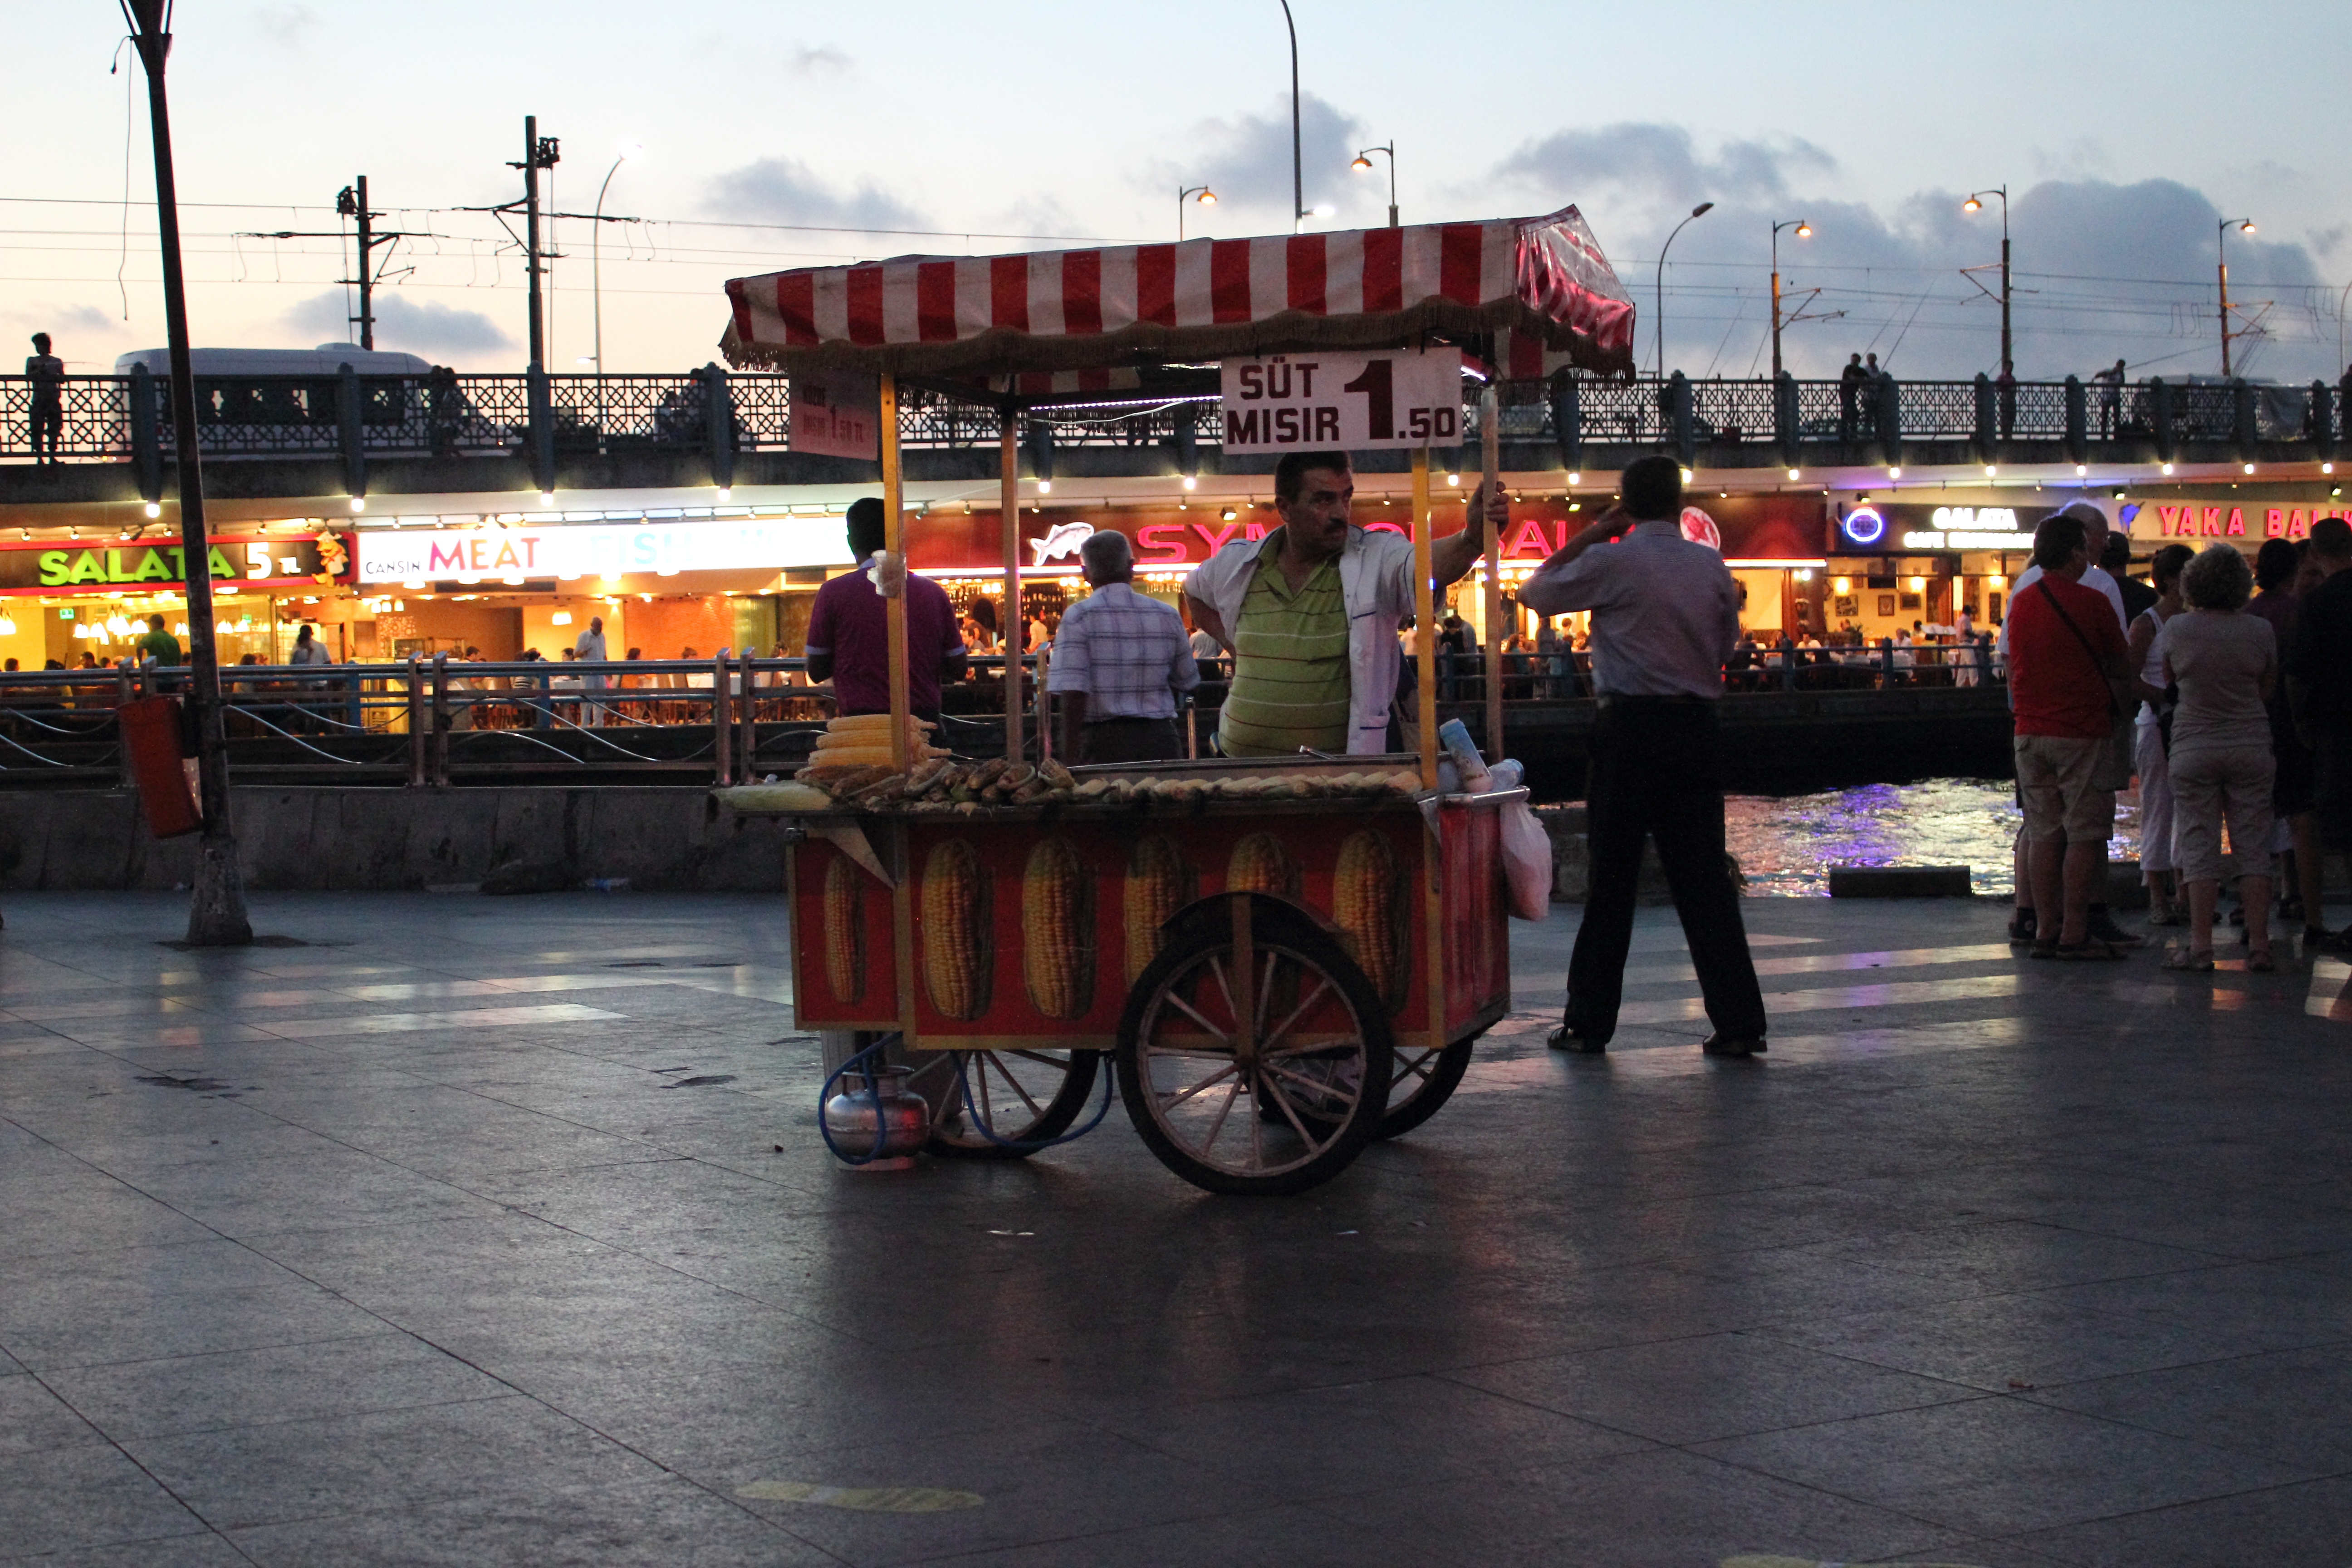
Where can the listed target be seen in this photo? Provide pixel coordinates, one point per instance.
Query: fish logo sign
(1062, 543)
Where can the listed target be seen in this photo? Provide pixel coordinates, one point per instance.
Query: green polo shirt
(163, 644)
(1290, 665)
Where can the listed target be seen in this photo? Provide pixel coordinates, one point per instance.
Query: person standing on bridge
(46, 372)
(1311, 612)
(1121, 664)
(1665, 614)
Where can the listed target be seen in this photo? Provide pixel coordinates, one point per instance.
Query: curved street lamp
(1804, 231)
(1201, 194)
(1976, 204)
(628, 150)
(1363, 165)
(1297, 168)
(1660, 285)
(2245, 226)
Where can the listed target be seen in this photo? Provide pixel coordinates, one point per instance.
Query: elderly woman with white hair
(2225, 663)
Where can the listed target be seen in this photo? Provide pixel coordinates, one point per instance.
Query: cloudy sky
(779, 135)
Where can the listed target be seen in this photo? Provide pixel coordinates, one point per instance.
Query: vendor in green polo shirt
(1311, 611)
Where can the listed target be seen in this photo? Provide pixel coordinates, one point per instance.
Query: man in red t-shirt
(2063, 648)
(848, 631)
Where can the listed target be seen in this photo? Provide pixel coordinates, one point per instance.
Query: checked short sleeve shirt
(1128, 653)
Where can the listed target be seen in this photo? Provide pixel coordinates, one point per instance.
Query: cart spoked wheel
(1420, 1081)
(1021, 1096)
(1249, 1005)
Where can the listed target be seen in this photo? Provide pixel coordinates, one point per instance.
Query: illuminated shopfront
(73, 600)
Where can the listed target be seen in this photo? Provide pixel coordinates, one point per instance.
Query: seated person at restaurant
(848, 631)
(1311, 611)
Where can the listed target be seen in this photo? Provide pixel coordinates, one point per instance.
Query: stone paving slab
(413, 1245)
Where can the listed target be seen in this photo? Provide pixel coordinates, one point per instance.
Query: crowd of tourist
(2231, 707)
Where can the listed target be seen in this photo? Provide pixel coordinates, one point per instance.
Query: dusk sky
(789, 135)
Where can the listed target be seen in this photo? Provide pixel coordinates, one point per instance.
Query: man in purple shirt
(848, 631)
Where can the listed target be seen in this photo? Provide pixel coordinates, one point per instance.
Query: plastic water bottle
(1454, 738)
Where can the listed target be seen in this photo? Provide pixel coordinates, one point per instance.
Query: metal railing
(128, 417)
(431, 723)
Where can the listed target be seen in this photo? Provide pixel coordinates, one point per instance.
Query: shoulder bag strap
(2098, 665)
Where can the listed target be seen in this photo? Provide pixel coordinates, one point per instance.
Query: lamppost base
(216, 916)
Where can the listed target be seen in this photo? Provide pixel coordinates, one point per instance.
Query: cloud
(2102, 268)
(809, 61)
(288, 26)
(402, 324)
(787, 191)
(1660, 166)
(1247, 160)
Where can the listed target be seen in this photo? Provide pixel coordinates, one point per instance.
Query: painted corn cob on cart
(1286, 957)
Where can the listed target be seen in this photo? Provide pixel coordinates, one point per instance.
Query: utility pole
(1804, 230)
(352, 202)
(2221, 240)
(217, 915)
(537, 153)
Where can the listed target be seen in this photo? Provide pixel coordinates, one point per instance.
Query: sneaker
(1719, 1045)
(2021, 926)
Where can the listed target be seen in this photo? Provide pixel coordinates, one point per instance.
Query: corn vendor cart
(1286, 957)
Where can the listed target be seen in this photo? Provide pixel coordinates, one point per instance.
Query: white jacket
(1375, 581)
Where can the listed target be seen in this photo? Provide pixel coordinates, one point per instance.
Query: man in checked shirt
(1120, 663)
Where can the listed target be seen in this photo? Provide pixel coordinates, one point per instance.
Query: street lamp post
(1976, 204)
(216, 916)
(1298, 167)
(595, 252)
(1660, 285)
(1804, 231)
(1363, 164)
(2245, 226)
(1201, 194)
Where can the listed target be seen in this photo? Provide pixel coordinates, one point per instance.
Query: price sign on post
(836, 413)
(1343, 401)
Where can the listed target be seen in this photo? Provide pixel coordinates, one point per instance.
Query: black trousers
(1657, 774)
(1129, 740)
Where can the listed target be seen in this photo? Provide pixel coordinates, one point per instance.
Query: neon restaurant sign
(2194, 521)
(162, 564)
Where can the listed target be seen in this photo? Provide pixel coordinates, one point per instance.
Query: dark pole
(531, 232)
(367, 271)
(2007, 350)
(1659, 285)
(216, 916)
(1297, 168)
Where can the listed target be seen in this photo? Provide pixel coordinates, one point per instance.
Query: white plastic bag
(1527, 861)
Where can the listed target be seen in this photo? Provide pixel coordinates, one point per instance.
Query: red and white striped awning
(1540, 285)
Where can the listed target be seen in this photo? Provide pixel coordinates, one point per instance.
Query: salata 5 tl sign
(1343, 401)
(151, 564)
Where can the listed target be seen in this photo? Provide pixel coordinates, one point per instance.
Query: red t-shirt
(2055, 686)
(850, 621)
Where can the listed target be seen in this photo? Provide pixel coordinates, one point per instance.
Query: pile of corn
(937, 782)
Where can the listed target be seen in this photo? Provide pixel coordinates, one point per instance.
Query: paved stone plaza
(484, 1231)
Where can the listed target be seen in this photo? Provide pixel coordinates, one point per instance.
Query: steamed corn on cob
(844, 930)
(1057, 956)
(955, 929)
(1365, 905)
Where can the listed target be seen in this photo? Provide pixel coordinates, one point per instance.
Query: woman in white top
(2224, 662)
(2158, 856)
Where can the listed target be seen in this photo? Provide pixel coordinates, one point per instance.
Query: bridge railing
(444, 413)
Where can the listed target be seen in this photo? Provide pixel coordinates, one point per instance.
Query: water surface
(1787, 844)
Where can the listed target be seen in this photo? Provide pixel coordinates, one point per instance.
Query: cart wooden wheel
(1420, 1081)
(1249, 1004)
(1021, 1096)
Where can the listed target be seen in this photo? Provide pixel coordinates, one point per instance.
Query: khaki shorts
(2058, 780)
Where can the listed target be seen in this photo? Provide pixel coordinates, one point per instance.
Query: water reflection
(1787, 844)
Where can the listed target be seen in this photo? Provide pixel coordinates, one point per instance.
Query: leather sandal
(2189, 958)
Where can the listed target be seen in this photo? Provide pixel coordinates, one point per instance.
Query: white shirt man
(590, 647)
(1121, 662)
